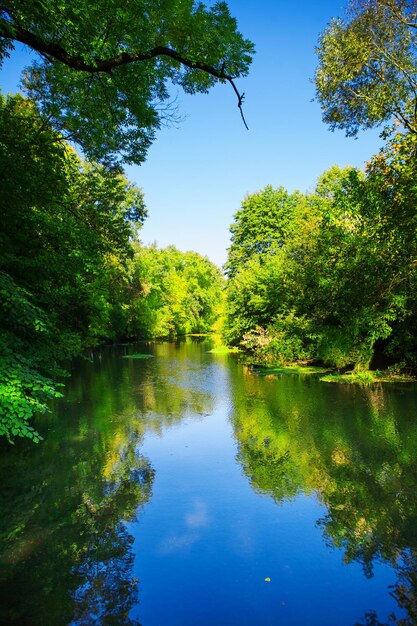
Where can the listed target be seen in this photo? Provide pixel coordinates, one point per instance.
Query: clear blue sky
(196, 175)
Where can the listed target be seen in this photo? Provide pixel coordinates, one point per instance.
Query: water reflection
(67, 554)
(64, 542)
(360, 459)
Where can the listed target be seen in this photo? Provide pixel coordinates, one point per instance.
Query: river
(183, 489)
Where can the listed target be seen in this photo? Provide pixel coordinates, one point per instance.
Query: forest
(327, 277)
(330, 276)
(73, 273)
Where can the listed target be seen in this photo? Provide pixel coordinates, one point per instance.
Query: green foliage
(177, 293)
(367, 73)
(261, 226)
(25, 347)
(340, 286)
(288, 339)
(105, 68)
(65, 222)
(264, 288)
(367, 377)
(254, 294)
(64, 251)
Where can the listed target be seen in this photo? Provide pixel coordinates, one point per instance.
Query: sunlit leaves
(114, 114)
(177, 293)
(335, 280)
(261, 225)
(367, 72)
(23, 390)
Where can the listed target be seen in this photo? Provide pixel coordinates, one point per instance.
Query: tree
(367, 73)
(104, 67)
(271, 235)
(389, 204)
(335, 278)
(176, 293)
(261, 225)
(65, 225)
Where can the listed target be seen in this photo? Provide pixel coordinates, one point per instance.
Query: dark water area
(185, 490)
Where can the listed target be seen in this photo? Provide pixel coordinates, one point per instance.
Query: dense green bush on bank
(337, 283)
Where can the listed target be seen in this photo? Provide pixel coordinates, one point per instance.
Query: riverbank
(328, 375)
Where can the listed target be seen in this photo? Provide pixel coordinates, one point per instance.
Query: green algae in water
(223, 350)
(138, 356)
(367, 378)
(301, 370)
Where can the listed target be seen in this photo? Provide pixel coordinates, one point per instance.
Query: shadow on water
(66, 551)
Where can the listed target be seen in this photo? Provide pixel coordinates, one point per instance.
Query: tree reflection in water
(361, 461)
(104, 563)
(71, 551)
(404, 591)
(65, 542)
(66, 555)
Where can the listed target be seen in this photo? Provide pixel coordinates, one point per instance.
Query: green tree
(340, 285)
(389, 201)
(271, 235)
(63, 218)
(367, 73)
(104, 68)
(362, 275)
(176, 293)
(261, 225)
(65, 225)
(343, 308)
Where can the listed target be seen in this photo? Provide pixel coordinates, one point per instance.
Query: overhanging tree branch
(97, 65)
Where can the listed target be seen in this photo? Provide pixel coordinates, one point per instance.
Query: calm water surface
(168, 489)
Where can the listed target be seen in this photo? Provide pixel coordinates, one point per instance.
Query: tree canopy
(367, 73)
(177, 293)
(261, 225)
(65, 241)
(104, 68)
(337, 283)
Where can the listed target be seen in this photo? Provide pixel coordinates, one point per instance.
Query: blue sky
(197, 174)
